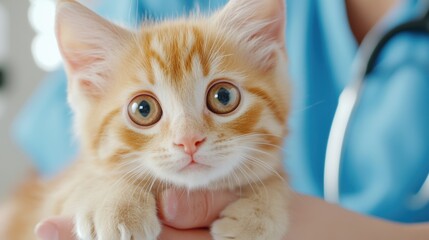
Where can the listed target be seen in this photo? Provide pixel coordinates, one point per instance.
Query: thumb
(55, 229)
(183, 210)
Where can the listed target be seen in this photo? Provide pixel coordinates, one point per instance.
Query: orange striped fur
(123, 166)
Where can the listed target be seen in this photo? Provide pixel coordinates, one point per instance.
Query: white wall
(23, 77)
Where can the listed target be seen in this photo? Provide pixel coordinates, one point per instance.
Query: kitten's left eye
(223, 98)
(144, 110)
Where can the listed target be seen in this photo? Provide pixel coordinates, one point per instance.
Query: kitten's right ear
(87, 43)
(258, 24)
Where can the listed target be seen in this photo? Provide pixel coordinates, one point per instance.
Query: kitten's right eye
(223, 98)
(144, 110)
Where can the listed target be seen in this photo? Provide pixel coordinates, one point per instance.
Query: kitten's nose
(190, 143)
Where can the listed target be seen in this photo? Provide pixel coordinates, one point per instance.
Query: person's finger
(174, 234)
(183, 210)
(6, 213)
(55, 229)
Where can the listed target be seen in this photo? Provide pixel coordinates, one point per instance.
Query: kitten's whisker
(252, 135)
(238, 182)
(135, 174)
(309, 106)
(258, 178)
(267, 144)
(140, 176)
(152, 184)
(141, 189)
(237, 179)
(126, 163)
(282, 149)
(261, 134)
(258, 151)
(144, 188)
(247, 178)
(116, 183)
(128, 174)
(259, 137)
(265, 166)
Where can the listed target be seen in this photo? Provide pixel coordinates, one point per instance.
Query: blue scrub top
(387, 150)
(386, 158)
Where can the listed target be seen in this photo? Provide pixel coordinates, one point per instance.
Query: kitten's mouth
(194, 166)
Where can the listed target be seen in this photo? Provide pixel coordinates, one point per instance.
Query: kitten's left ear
(259, 23)
(89, 44)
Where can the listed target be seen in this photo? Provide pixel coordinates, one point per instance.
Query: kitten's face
(186, 103)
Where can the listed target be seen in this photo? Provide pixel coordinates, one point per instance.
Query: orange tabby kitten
(196, 103)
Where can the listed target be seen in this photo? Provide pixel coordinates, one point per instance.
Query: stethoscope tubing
(364, 64)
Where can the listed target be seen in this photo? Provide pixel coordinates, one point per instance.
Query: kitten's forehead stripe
(147, 63)
(156, 57)
(175, 55)
(198, 49)
(158, 48)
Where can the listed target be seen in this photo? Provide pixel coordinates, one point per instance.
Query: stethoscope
(365, 63)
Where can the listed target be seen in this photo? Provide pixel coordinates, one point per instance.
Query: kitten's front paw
(249, 220)
(118, 221)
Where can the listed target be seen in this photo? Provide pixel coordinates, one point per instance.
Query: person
(385, 159)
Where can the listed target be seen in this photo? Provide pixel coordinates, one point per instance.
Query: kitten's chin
(195, 176)
(194, 167)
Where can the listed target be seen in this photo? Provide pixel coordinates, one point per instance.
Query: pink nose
(190, 143)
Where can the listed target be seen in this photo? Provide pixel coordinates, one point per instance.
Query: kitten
(195, 103)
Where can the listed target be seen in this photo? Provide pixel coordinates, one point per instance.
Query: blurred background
(27, 53)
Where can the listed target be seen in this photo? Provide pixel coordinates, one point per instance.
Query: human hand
(56, 228)
(185, 216)
(62, 229)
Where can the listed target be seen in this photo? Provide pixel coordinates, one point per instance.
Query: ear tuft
(88, 44)
(258, 23)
